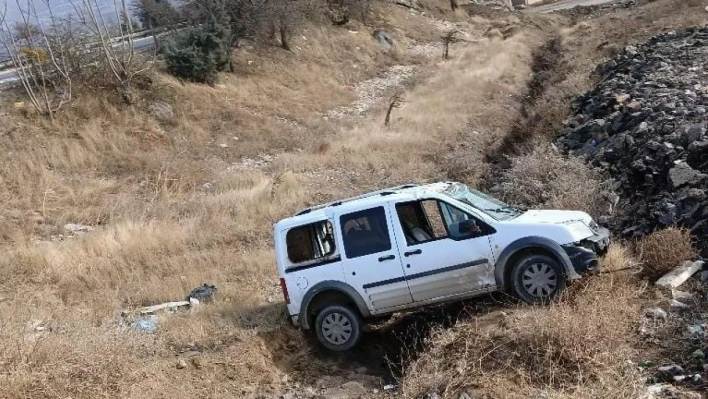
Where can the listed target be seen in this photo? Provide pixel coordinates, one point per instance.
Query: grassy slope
(160, 232)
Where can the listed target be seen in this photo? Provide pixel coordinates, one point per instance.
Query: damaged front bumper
(584, 255)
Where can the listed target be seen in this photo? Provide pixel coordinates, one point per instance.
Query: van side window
(421, 221)
(310, 242)
(365, 232)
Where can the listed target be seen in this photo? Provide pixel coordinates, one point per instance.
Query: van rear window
(310, 242)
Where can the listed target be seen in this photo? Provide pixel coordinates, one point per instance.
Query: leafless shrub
(395, 102)
(447, 39)
(665, 249)
(115, 43)
(39, 56)
(544, 178)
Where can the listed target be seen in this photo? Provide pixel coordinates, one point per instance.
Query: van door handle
(416, 252)
(385, 258)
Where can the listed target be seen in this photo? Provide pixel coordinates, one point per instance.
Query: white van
(414, 245)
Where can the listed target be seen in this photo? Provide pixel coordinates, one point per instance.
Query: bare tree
(395, 102)
(115, 42)
(447, 39)
(39, 56)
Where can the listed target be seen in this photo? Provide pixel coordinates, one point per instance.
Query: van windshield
(483, 202)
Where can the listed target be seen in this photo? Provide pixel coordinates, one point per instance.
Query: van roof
(323, 211)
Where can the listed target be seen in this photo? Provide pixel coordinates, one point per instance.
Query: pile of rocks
(645, 124)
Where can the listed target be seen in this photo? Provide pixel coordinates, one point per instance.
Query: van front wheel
(537, 278)
(338, 327)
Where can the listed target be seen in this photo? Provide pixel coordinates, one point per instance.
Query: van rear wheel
(338, 327)
(537, 278)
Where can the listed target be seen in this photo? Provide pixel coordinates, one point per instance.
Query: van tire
(537, 278)
(338, 327)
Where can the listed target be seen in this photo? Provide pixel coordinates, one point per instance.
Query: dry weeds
(544, 178)
(579, 347)
(665, 249)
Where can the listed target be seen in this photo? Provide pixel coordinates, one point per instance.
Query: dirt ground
(172, 202)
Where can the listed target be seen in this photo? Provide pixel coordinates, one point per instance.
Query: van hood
(552, 217)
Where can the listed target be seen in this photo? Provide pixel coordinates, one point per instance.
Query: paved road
(564, 4)
(10, 76)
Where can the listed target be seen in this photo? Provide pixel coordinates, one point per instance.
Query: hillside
(110, 207)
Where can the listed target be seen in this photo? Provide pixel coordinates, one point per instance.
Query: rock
(656, 313)
(622, 98)
(181, 364)
(288, 395)
(696, 329)
(678, 304)
(384, 39)
(681, 295)
(672, 369)
(77, 228)
(653, 100)
(634, 106)
(683, 174)
(679, 275)
(695, 132)
(224, 145)
(162, 111)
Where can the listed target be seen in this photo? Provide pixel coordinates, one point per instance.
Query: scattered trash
(389, 387)
(146, 324)
(205, 293)
(657, 313)
(223, 145)
(167, 306)
(679, 275)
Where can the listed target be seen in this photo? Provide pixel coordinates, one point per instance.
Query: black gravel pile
(645, 125)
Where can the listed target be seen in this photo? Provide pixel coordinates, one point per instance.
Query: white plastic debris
(679, 275)
(169, 306)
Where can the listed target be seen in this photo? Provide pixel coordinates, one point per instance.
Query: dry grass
(180, 202)
(544, 178)
(577, 347)
(665, 249)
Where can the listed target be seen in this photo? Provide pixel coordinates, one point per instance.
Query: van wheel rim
(540, 280)
(337, 328)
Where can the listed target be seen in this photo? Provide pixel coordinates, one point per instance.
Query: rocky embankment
(645, 125)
